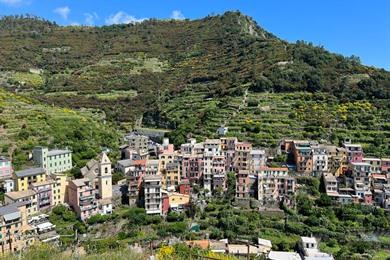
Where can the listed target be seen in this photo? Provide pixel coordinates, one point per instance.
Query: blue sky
(358, 27)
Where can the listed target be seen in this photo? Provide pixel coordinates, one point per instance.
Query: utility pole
(248, 246)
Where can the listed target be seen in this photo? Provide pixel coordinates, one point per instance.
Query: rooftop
(9, 209)
(203, 244)
(257, 151)
(281, 255)
(264, 242)
(152, 177)
(125, 163)
(47, 182)
(58, 152)
(80, 182)
(311, 240)
(29, 172)
(15, 195)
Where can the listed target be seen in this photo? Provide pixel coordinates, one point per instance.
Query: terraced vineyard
(266, 118)
(25, 123)
(191, 76)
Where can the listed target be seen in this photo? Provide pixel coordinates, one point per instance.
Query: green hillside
(192, 76)
(25, 123)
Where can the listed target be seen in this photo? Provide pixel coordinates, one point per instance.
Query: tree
(231, 186)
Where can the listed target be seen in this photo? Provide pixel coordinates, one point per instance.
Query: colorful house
(81, 197)
(53, 161)
(28, 197)
(178, 201)
(385, 165)
(14, 228)
(25, 178)
(5, 168)
(44, 194)
(354, 152)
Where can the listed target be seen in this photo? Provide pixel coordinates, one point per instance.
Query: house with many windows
(14, 228)
(53, 161)
(82, 198)
(24, 178)
(5, 168)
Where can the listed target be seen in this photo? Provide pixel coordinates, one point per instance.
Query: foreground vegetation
(343, 230)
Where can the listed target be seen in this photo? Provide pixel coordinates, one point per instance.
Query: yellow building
(178, 200)
(169, 168)
(59, 188)
(24, 178)
(14, 228)
(171, 176)
(28, 197)
(337, 160)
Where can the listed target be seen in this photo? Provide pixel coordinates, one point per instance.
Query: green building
(54, 161)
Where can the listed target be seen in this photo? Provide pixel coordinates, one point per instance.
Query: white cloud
(62, 11)
(122, 17)
(11, 2)
(177, 15)
(90, 18)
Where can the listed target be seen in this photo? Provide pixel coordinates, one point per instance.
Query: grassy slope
(27, 123)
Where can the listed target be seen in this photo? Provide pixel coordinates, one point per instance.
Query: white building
(257, 160)
(309, 250)
(212, 148)
(153, 196)
(320, 160)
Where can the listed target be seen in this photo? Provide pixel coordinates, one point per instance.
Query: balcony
(88, 207)
(87, 197)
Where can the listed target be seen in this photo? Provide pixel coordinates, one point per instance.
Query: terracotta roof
(203, 244)
(265, 168)
(139, 162)
(379, 176)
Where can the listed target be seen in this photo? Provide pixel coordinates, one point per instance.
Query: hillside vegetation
(192, 76)
(25, 123)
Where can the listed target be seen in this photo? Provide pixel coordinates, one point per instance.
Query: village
(161, 179)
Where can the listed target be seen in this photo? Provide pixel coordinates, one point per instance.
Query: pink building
(218, 172)
(192, 167)
(354, 152)
(5, 168)
(385, 165)
(81, 197)
(242, 184)
(185, 187)
(274, 184)
(242, 156)
(43, 191)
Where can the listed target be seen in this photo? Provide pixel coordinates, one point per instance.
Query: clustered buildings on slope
(160, 178)
(348, 175)
(31, 192)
